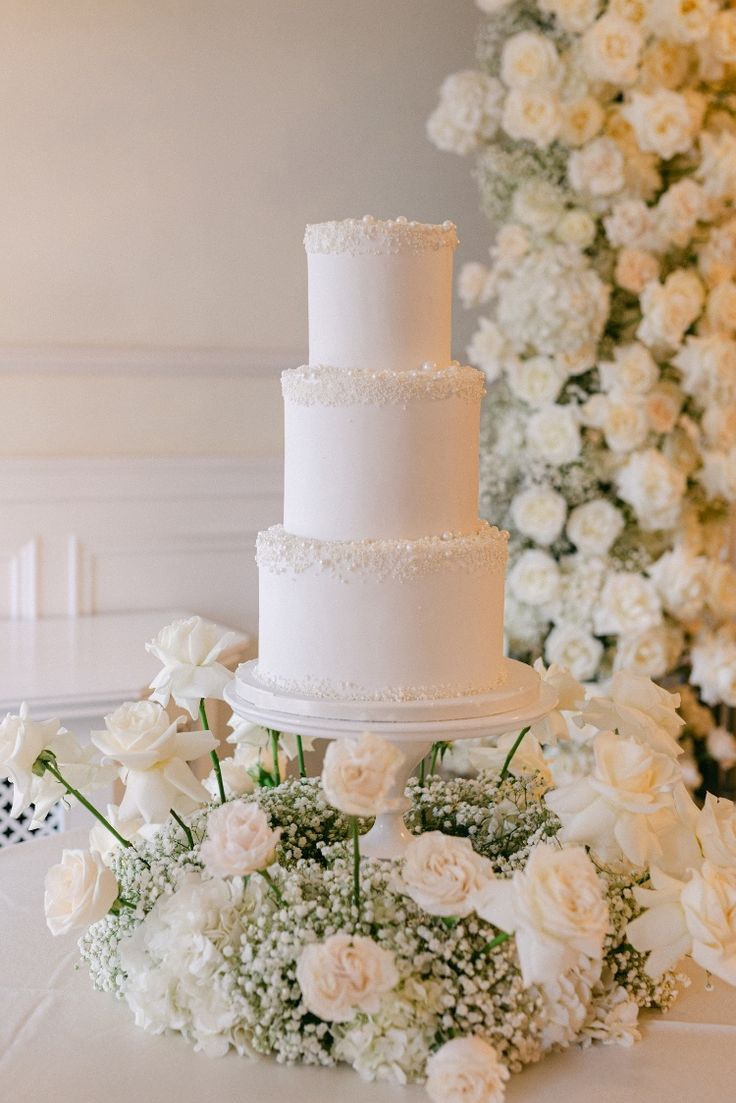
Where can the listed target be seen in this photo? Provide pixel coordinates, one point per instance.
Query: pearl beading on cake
(350, 691)
(313, 385)
(368, 235)
(280, 551)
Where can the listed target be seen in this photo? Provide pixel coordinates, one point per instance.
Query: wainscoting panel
(82, 536)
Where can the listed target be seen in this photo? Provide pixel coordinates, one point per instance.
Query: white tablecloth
(60, 1040)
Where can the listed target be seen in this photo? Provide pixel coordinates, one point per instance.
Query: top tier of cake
(380, 294)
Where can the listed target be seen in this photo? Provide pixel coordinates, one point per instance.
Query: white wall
(160, 159)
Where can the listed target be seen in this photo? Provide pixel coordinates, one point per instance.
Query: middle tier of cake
(382, 620)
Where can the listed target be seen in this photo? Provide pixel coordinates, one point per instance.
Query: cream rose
(682, 20)
(681, 582)
(632, 370)
(651, 653)
(466, 1070)
(595, 526)
(528, 758)
(189, 650)
(664, 65)
(721, 745)
(662, 122)
(635, 268)
(628, 603)
(653, 487)
(720, 581)
(639, 710)
(597, 168)
(576, 227)
(662, 406)
(78, 891)
(611, 49)
(679, 211)
(534, 578)
(21, 742)
(556, 908)
(468, 113)
(532, 116)
(709, 902)
(670, 309)
(443, 874)
(537, 380)
(571, 646)
(624, 423)
(239, 840)
(718, 164)
(630, 222)
(582, 119)
(343, 975)
(359, 774)
(530, 60)
(539, 513)
(553, 435)
(715, 830)
(474, 284)
(720, 308)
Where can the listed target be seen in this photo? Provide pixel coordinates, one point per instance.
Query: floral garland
(605, 137)
(522, 917)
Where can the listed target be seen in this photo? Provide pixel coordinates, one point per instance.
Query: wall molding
(132, 360)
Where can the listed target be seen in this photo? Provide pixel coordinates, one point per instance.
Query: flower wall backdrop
(605, 145)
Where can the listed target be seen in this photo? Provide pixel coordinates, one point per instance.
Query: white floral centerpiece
(523, 917)
(605, 139)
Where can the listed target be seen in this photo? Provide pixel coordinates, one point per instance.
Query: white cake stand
(413, 733)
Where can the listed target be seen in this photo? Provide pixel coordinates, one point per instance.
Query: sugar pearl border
(368, 235)
(325, 386)
(324, 690)
(281, 552)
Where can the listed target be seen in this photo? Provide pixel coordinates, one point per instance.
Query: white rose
(528, 758)
(538, 205)
(359, 774)
(717, 167)
(679, 210)
(625, 424)
(681, 582)
(154, 756)
(236, 776)
(536, 380)
(628, 603)
(572, 15)
(188, 650)
(595, 526)
(582, 119)
(539, 513)
(662, 122)
(574, 648)
(720, 309)
(474, 285)
(632, 369)
(611, 49)
(670, 309)
(576, 227)
(532, 116)
(488, 349)
(713, 662)
(661, 930)
(709, 902)
(21, 742)
(621, 808)
(466, 1070)
(721, 745)
(639, 710)
(239, 840)
(443, 874)
(556, 908)
(553, 435)
(653, 487)
(597, 168)
(529, 60)
(534, 578)
(78, 891)
(631, 223)
(651, 653)
(635, 268)
(682, 20)
(343, 975)
(715, 830)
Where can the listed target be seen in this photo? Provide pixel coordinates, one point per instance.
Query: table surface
(59, 664)
(61, 1040)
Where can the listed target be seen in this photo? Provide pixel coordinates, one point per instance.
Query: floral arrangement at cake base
(523, 917)
(605, 138)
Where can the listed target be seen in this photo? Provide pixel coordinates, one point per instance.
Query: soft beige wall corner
(160, 160)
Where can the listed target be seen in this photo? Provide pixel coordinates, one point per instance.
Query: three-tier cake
(381, 595)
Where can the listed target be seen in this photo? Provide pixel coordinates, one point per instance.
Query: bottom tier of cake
(382, 620)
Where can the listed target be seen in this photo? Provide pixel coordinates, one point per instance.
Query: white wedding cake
(382, 585)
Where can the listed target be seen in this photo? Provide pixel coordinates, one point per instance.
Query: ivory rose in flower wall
(605, 138)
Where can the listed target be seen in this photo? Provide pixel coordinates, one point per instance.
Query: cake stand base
(388, 838)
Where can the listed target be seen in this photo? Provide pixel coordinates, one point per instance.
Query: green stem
(421, 770)
(185, 828)
(275, 736)
(214, 758)
(300, 756)
(512, 752)
(356, 860)
(433, 758)
(124, 902)
(54, 771)
(497, 941)
(272, 885)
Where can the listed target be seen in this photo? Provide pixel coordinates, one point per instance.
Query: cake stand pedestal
(389, 836)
